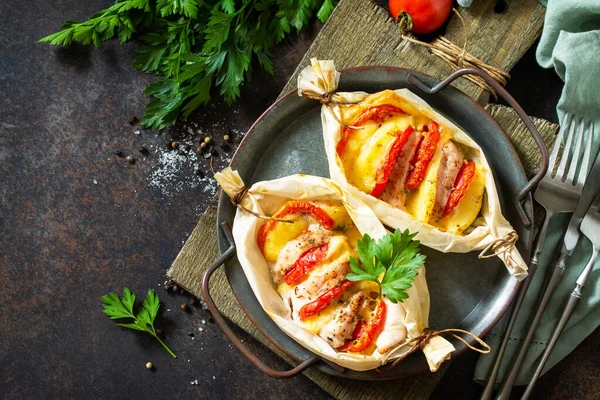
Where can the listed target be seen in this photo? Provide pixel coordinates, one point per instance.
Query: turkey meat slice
(395, 192)
(340, 328)
(315, 235)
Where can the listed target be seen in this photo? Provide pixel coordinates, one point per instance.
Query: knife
(590, 190)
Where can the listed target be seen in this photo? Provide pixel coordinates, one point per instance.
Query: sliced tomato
(364, 334)
(323, 300)
(423, 157)
(307, 261)
(289, 208)
(385, 170)
(377, 114)
(461, 184)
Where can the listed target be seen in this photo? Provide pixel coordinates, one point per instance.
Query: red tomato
(463, 180)
(385, 170)
(364, 334)
(289, 208)
(376, 113)
(425, 153)
(305, 263)
(421, 16)
(323, 300)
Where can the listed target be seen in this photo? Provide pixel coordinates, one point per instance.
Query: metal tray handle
(532, 184)
(220, 320)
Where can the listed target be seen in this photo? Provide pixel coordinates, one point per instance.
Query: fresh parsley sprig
(194, 46)
(392, 263)
(118, 308)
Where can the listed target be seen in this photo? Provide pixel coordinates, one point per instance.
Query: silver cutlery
(590, 227)
(558, 192)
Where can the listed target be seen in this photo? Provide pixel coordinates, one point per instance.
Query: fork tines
(581, 134)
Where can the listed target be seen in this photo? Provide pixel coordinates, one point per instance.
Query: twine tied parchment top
(419, 342)
(319, 82)
(501, 247)
(231, 182)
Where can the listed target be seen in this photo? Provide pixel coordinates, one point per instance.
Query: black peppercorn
(184, 307)
(175, 288)
(130, 160)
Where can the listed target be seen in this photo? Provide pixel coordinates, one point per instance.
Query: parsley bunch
(392, 263)
(118, 308)
(193, 46)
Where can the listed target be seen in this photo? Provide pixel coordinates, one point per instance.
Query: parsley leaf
(118, 308)
(392, 263)
(194, 46)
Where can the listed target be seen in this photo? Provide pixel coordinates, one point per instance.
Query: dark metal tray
(466, 292)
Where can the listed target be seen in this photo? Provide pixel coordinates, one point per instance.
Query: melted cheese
(337, 212)
(366, 149)
(468, 208)
(282, 233)
(315, 323)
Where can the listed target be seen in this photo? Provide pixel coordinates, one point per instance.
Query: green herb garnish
(193, 46)
(117, 308)
(392, 263)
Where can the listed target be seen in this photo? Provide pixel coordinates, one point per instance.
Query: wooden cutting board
(361, 33)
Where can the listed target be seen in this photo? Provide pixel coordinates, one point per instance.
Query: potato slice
(366, 149)
(469, 206)
(421, 202)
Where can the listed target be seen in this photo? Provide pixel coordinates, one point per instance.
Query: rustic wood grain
(360, 33)
(200, 250)
(526, 148)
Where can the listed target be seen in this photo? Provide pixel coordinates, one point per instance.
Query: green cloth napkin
(570, 43)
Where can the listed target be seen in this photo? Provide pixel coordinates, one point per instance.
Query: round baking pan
(466, 292)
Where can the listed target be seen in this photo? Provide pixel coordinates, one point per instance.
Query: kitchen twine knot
(236, 200)
(458, 57)
(419, 342)
(502, 246)
(327, 99)
(324, 98)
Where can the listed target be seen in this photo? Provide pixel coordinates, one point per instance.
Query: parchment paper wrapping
(265, 198)
(492, 226)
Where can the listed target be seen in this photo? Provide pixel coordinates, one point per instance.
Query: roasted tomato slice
(385, 170)
(294, 207)
(323, 300)
(307, 261)
(463, 180)
(423, 157)
(377, 114)
(364, 334)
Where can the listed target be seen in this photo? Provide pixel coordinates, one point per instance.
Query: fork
(558, 193)
(567, 191)
(590, 227)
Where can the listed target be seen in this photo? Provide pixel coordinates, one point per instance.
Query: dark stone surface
(78, 221)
